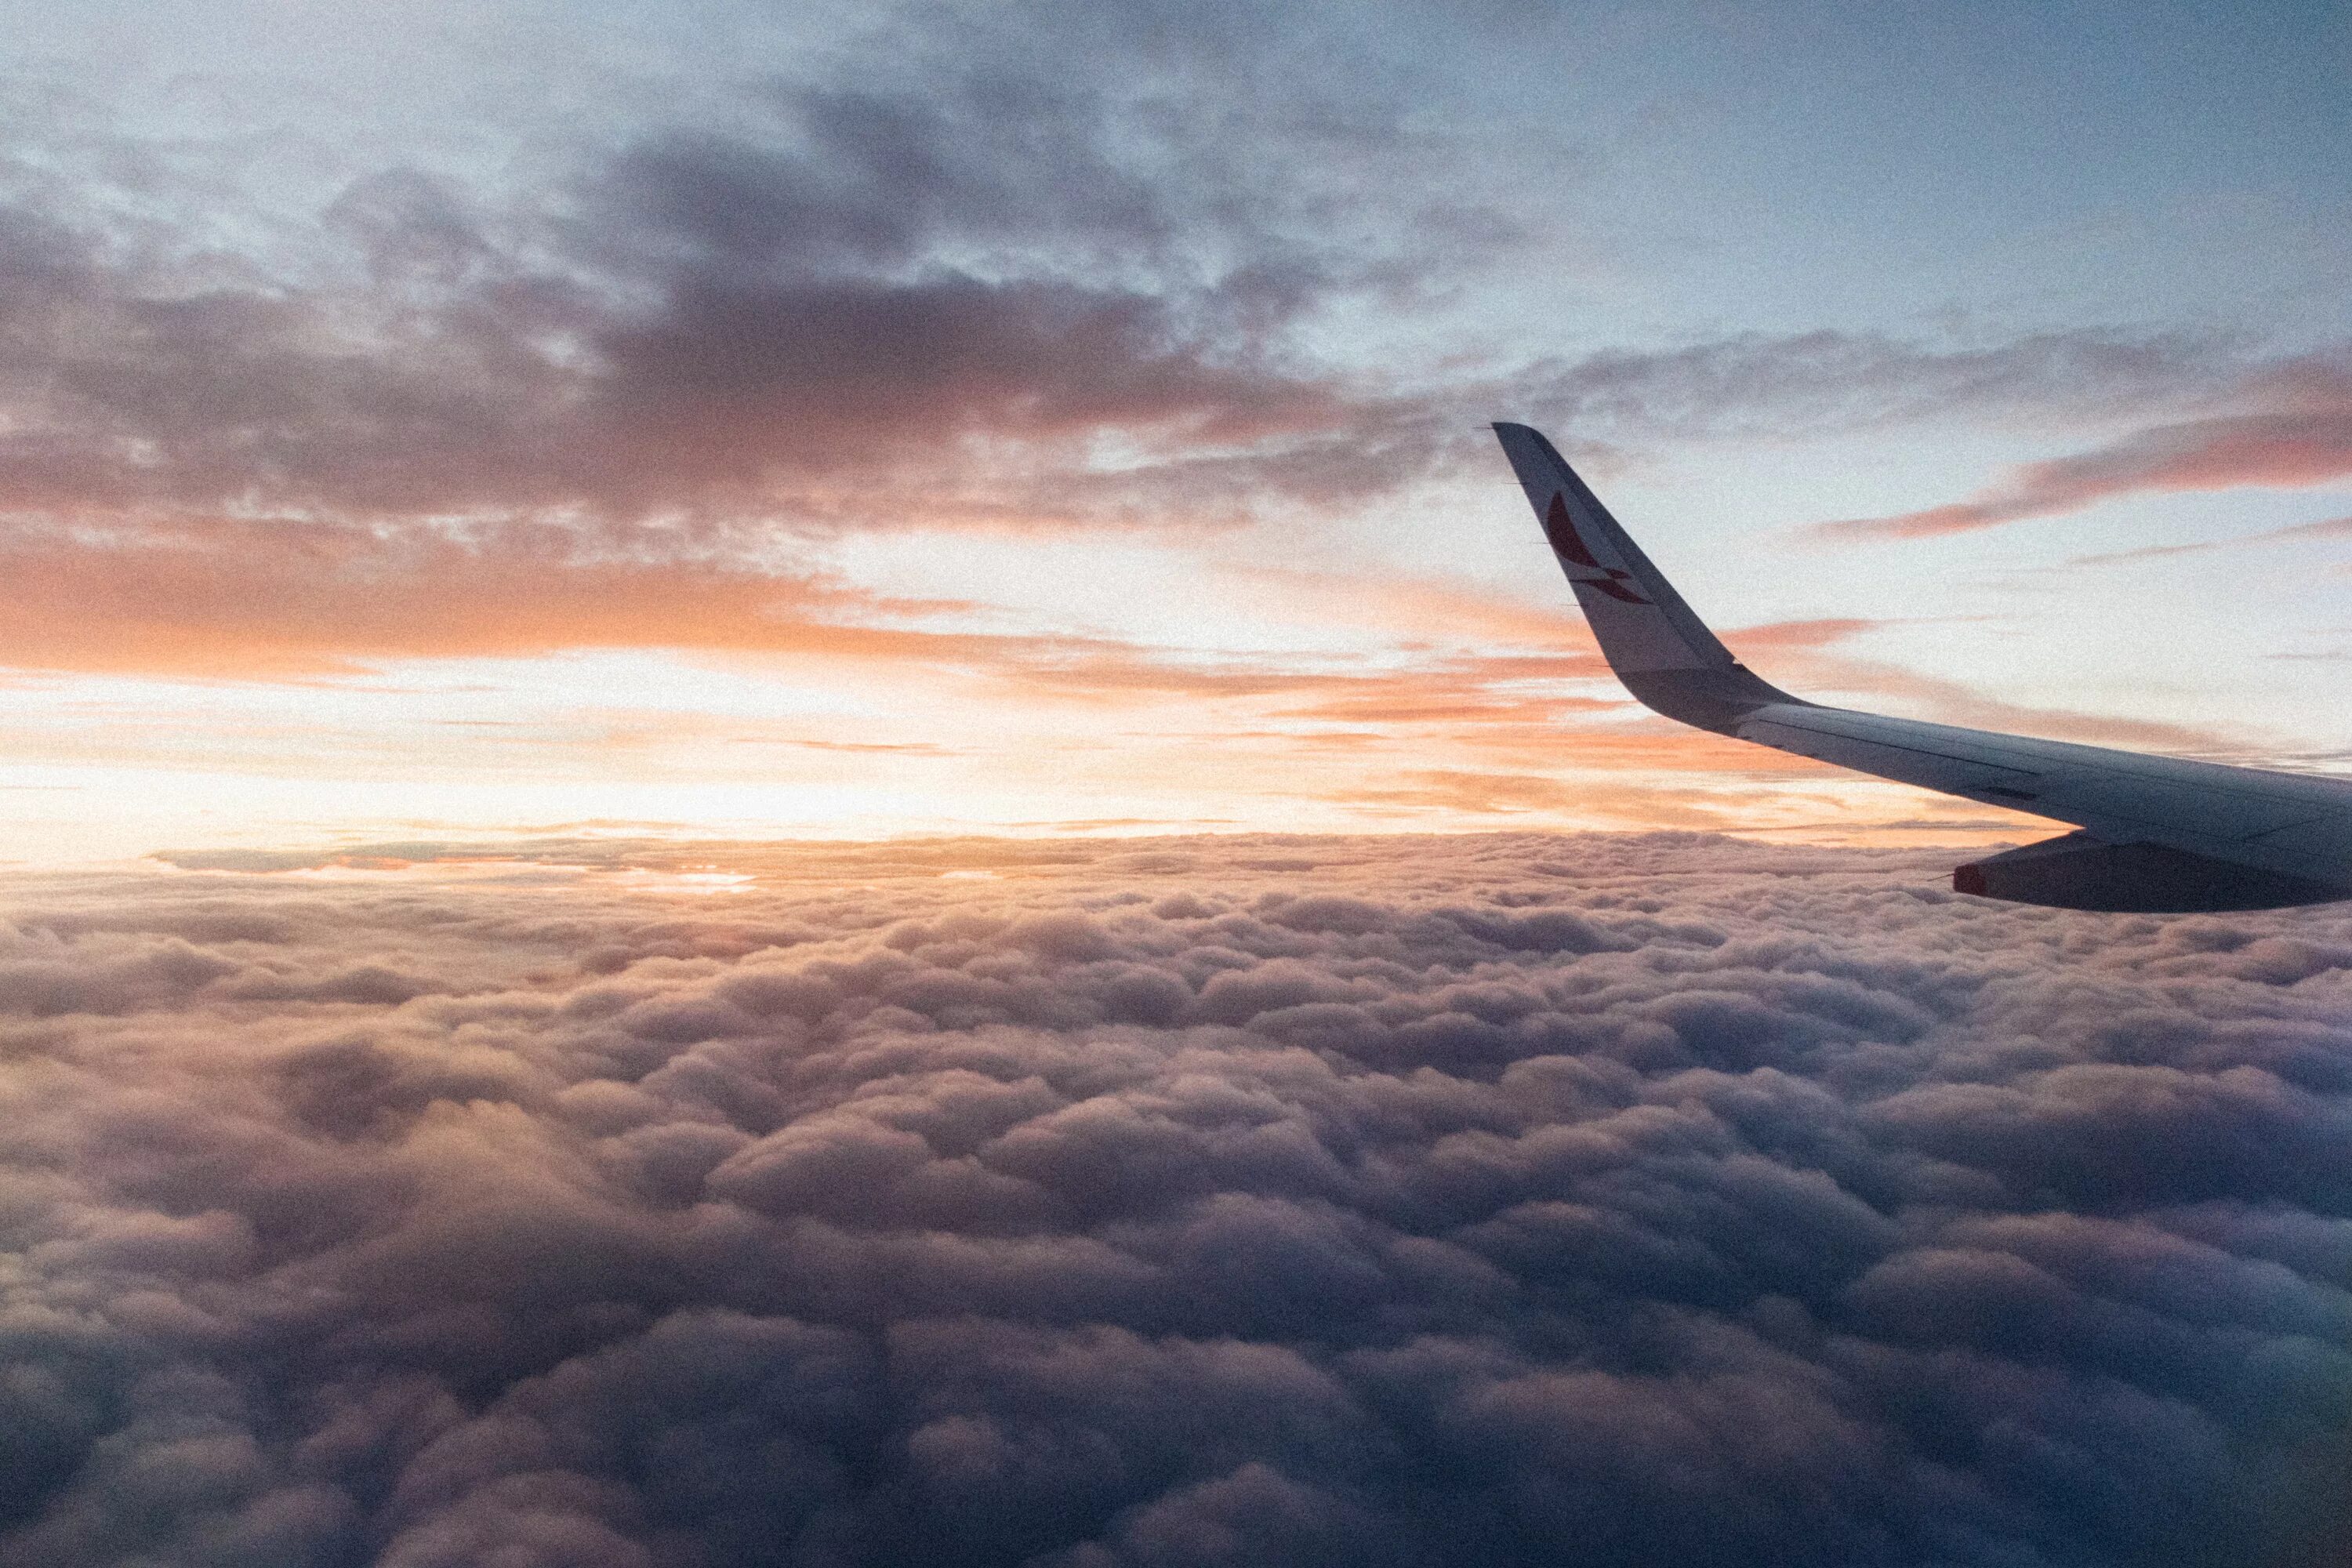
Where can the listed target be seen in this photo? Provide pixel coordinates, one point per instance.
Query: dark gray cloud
(1488, 1200)
(845, 279)
(1763, 385)
(925, 277)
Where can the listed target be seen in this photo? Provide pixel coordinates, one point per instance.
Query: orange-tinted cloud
(254, 600)
(1814, 634)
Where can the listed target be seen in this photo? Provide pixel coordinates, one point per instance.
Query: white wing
(2159, 834)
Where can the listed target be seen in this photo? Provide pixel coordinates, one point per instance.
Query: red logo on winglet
(1570, 549)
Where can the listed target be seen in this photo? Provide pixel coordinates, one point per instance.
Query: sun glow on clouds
(891, 436)
(971, 681)
(1400, 733)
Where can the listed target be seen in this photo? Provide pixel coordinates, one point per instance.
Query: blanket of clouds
(1491, 1200)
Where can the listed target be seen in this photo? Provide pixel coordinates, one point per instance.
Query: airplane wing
(2156, 834)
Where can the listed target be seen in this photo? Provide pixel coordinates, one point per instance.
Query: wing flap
(2216, 816)
(2081, 872)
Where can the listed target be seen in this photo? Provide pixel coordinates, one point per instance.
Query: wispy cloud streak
(2295, 430)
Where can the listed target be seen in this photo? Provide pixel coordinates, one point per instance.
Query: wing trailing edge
(2155, 834)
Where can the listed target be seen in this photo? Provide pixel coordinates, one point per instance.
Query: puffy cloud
(1491, 1199)
(223, 596)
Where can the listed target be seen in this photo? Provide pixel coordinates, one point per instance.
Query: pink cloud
(2295, 430)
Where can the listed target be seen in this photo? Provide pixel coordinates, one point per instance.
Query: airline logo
(1570, 549)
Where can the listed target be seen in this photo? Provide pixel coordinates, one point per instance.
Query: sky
(793, 785)
(856, 420)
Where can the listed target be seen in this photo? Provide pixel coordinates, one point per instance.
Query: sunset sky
(824, 421)
(790, 785)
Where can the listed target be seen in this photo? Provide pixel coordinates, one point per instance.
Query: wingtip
(1518, 438)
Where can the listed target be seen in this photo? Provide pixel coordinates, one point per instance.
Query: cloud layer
(1489, 1200)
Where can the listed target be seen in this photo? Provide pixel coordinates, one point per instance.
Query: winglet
(1666, 655)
